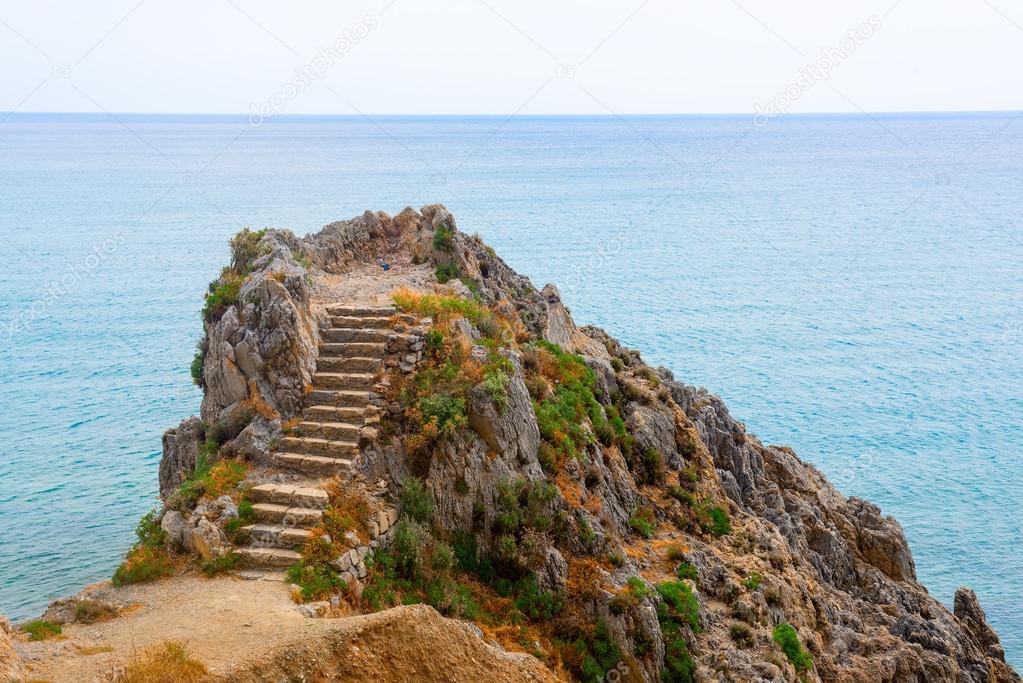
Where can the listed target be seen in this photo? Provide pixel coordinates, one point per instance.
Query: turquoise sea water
(849, 284)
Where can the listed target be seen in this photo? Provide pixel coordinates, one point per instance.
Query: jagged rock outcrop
(765, 539)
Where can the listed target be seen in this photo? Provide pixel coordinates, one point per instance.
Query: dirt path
(252, 631)
(371, 284)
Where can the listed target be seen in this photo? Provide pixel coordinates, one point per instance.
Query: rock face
(795, 551)
(11, 668)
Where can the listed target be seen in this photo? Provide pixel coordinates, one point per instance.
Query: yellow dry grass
(168, 662)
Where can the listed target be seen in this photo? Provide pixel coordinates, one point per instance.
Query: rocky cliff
(576, 503)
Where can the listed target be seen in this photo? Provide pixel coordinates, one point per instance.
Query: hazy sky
(500, 56)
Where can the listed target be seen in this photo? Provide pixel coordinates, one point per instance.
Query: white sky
(503, 56)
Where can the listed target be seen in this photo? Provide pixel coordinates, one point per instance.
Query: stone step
(345, 335)
(289, 494)
(311, 445)
(348, 364)
(353, 414)
(268, 557)
(339, 399)
(275, 536)
(361, 322)
(339, 431)
(345, 349)
(361, 311)
(343, 380)
(316, 465)
(272, 513)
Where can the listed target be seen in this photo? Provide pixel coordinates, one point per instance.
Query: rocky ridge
(680, 546)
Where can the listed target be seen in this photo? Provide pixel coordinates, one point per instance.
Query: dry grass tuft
(168, 662)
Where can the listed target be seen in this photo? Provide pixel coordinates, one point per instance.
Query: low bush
(221, 564)
(40, 629)
(686, 571)
(315, 580)
(446, 272)
(788, 640)
(148, 559)
(91, 611)
(643, 522)
(443, 237)
(415, 500)
(198, 362)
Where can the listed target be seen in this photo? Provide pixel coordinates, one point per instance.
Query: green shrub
(679, 602)
(446, 272)
(222, 295)
(221, 564)
(753, 581)
(408, 547)
(447, 411)
(415, 500)
(315, 580)
(642, 522)
(788, 640)
(40, 629)
(598, 653)
(198, 361)
(715, 521)
(246, 515)
(246, 248)
(561, 414)
(443, 237)
(536, 604)
(143, 564)
(678, 609)
(148, 559)
(495, 382)
(686, 571)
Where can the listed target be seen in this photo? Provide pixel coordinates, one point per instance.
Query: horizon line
(4, 116)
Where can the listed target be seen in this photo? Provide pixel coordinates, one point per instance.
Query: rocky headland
(392, 415)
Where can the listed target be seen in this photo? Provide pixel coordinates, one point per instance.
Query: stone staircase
(337, 420)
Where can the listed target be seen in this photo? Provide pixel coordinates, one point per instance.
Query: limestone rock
(175, 526)
(180, 450)
(207, 539)
(12, 670)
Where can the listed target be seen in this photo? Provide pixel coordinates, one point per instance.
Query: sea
(851, 285)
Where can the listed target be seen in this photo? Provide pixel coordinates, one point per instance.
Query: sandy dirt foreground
(251, 631)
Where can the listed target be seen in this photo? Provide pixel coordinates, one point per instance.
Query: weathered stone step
(363, 322)
(361, 311)
(340, 335)
(288, 494)
(317, 465)
(348, 364)
(339, 399)
(344, 380)
(275, 536)
(272, 513)
(344, 349)
(311, 445)
(338, 431)
(254, 556)
(351, 414)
